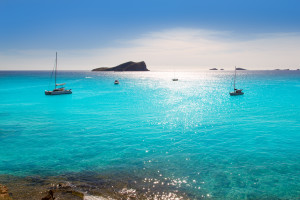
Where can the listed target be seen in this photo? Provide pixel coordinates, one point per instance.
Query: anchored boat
(174, 79)
(58, 87)
(236, 91)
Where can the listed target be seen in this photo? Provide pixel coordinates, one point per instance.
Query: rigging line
(51, 75)
(230, 85)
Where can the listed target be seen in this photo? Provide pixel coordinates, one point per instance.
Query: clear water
(189, 134)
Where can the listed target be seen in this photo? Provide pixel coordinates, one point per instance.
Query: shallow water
(189, 135)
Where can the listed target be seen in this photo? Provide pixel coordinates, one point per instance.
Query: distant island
(128, 66)
(238, 68)
(286, 69)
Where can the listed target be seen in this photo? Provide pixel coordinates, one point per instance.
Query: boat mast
(234, 78)
(55, 68)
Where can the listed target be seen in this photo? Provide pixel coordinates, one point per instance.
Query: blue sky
(32, 30)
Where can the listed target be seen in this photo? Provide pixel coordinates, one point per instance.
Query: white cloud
(176, 49)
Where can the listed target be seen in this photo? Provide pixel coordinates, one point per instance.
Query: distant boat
(59, 90)
(116, 82)
(236, 91)
(174, 79)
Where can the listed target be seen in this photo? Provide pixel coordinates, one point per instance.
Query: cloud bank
(173, 49)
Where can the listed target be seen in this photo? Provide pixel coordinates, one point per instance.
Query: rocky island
(239, 68)
(128, 66)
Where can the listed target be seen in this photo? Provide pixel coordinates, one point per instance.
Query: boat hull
(58, 92)
(236, 94)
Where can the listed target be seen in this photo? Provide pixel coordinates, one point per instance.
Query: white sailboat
(235, 91)
(174, 79)
(57, 90)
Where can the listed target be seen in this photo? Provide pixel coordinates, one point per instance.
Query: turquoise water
(190, 135)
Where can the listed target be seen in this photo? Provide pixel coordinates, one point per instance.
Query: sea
(153, 138)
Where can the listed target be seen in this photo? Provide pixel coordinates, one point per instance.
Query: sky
(167, 34)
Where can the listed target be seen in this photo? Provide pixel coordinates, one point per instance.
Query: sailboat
(235, 91)
(174, 79)
(57, 90)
